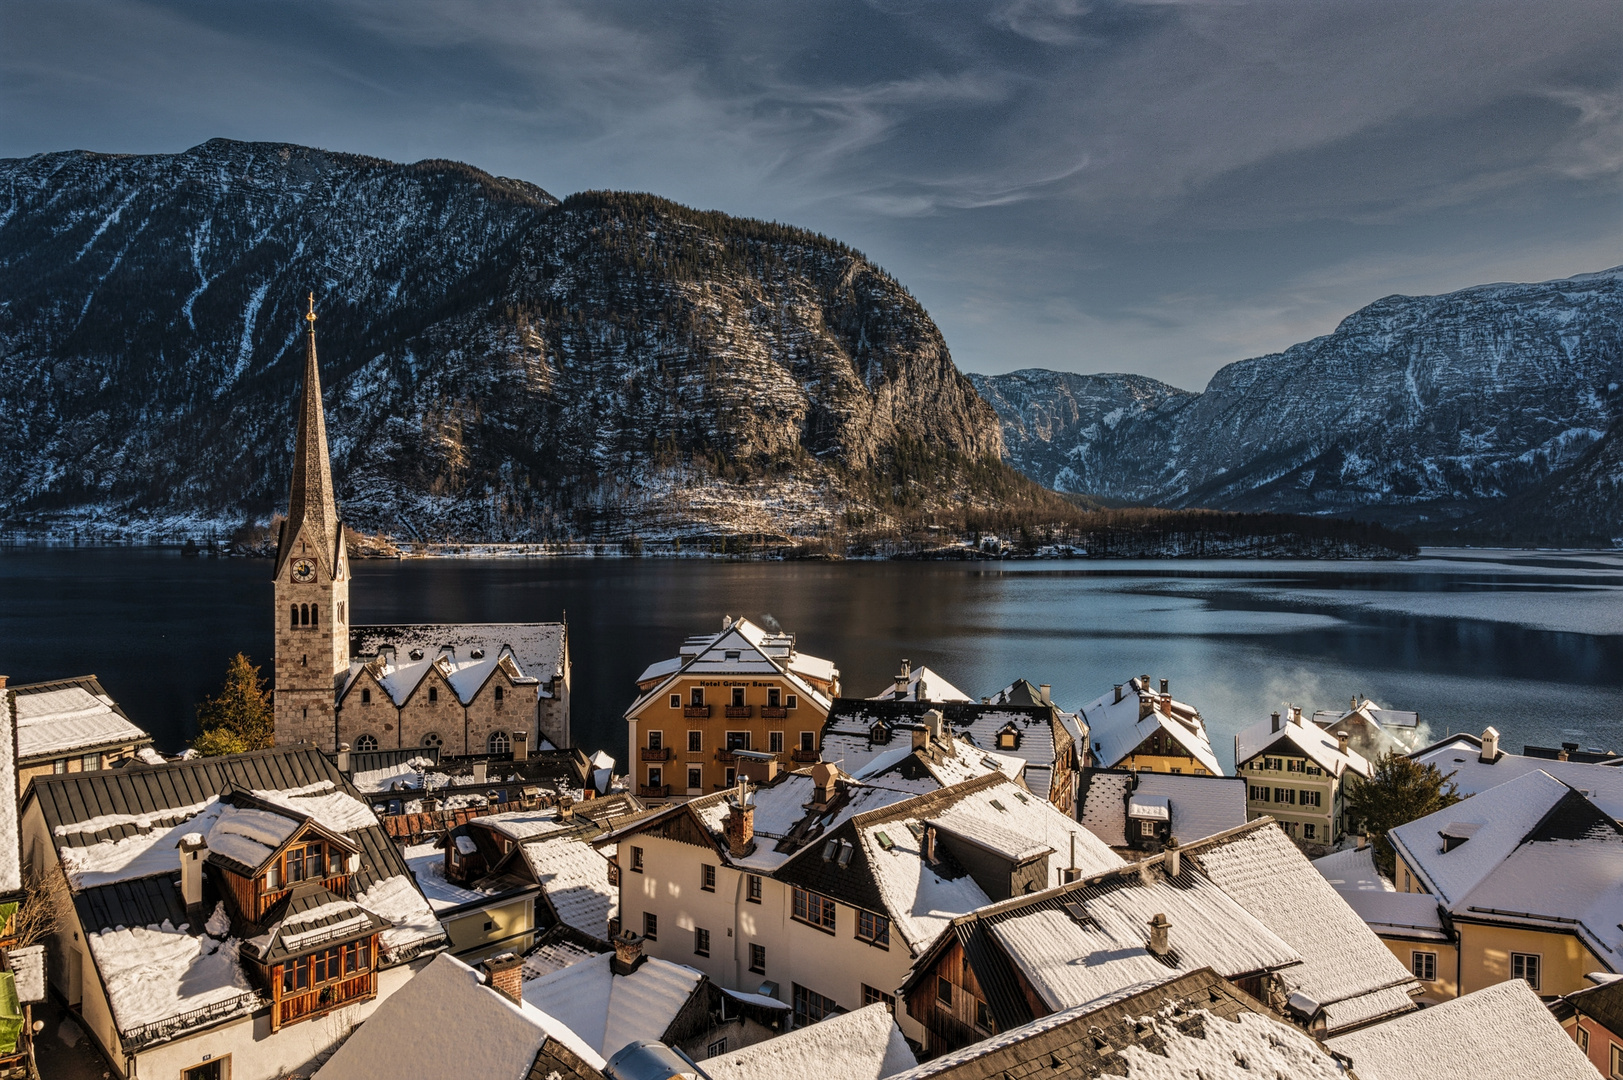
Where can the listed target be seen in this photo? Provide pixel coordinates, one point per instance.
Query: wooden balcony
(323, 999)
(652, 753)
(726, 757)
(654, 791)
(696, 712)
(740, 712)
(804, 755)
(774, 712)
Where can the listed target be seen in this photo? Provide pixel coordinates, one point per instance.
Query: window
(294, 617)
(716, 1049)
(1314, 770)
(650, 926)
(732, 775)
(217, 1069)
(791, 702)
(1617, 1060)
(707, 880)
(814, 908)
(1006, 739)
(1285, 795)
(1407, 884)
(874, 929)
(498, 743)
(695, 777)
(636, 860)
(774, 697)
(656, 740)
(808, 741)
(774, 741)
(1310, 798)
(315, 616)
(874, 996)
(295, 977)
(432, 739)
(701, 941)
(340, 612)
(731, 654)
(983, 1016)
(1525, 966)
(433, 694)
(499, 696)
(695, 742)
(738, 697)
(1293, 765)
(1582, 1035)
(943, 992)
(676, 701)
(752, 888)
(59, 766)
(1259, 794)
(1310, 831)
(738, 740)
(656, 776)
(272, 880)
(1146, 828)
(91, 762)
(327, 966)
(366, 743)
(696, 695)
(810, 1006)
(1424, 965)
(366, 695)
(758, 958)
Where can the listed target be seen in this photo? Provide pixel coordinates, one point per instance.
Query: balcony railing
(804, 755)
(290, 1010)
(740, 712)
(656, 753)
(696, 712)
(654, 791)
(774, 712)
(726, 757)
(140, 1037)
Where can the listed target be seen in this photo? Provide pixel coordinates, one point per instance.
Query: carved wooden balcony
(740, 712)
(774, 712)
(696, 712)
(656, 753)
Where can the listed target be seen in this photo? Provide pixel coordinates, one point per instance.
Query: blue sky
(1151, 187)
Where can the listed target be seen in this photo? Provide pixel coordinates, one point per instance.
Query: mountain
(498, 364)
(1443, 410)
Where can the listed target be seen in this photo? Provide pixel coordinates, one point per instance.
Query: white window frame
(1420, 960)
(1538, 968)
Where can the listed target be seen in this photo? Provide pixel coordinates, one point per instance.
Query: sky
(1153, 187)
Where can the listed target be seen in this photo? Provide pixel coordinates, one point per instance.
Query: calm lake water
(1530, 642)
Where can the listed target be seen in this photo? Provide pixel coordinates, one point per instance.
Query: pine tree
(1399, 791)
(241, 718)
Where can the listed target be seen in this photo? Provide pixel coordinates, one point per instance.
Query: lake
(1531, 642)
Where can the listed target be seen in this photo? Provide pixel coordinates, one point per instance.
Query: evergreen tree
(241, 718)
(1399, 791)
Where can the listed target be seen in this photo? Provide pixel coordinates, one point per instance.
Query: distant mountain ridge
(499, 364)
(1438, 412)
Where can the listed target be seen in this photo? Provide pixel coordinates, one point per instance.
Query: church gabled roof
(310, 503)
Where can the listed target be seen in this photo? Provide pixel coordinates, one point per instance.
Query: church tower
(312, 580)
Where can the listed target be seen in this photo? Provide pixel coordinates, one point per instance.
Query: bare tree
(44, 910)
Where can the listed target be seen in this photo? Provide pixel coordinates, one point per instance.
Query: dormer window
(732, 654)
(416, 654)
(1008, 739)
(879, 733)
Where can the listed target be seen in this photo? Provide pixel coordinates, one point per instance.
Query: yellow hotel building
(743, 698)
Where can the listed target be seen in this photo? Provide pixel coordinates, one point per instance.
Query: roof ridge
(950, 795)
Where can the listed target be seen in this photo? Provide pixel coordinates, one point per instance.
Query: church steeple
(310, 505)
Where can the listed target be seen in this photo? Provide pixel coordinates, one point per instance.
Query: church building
(468, 689)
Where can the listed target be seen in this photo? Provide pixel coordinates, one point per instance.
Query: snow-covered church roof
(466, 654)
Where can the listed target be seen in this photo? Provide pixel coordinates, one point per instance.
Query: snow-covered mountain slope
(498, 365)
(1414, 409)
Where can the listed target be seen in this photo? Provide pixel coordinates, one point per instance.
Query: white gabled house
(1297, 773)
(1137, 727)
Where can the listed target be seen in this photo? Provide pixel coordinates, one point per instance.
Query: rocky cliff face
(1416, 409)
(499, 365)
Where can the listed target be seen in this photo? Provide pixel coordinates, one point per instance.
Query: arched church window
(499, 743)
(304, 614)
(315, 615)
(294, 612)
(433, 694)
(340, 613)
(498, 695)
(366, 743)
(432, 739)
(366, 695)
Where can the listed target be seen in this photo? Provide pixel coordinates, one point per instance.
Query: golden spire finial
(311, 316)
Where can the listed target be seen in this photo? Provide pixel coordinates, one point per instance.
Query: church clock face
(304, 571)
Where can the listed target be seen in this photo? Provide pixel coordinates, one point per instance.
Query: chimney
(521, 745)
(927, 848)
(932, 724)
(1071, 871)
(628, 955)
(739, 824)
(566, 807)
(1362, 840)
(1160, 935)
(1118, 695)
(921, 737)
(1172, 858)
(506, 975)
(1341, 741)
(823, 776)
(1276, 721)
(1296, 715)
(1490, 746)
(1046, 693)
(1163, 686)
(193, 852)
(481, 772)
(1563, 756)
(343, 758)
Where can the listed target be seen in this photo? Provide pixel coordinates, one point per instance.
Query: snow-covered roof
(482, 1033)
(1103, 802)
(1116, 729)
(742, 648)
(427, 864)
(1498, 820)
(466, 654)
(1188, 1026)
(1398, 914)
(861, 1045)
(1460, 759)
(1346, 968)
(554, 953)
(1352, 869)
(1198, 806)
(606, 1010)
(28, 968)
(1502, 1032)
(574, 875)
(153, 973)
(1293, 736)
(70, 715)
(920, 684)
(11, 871)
